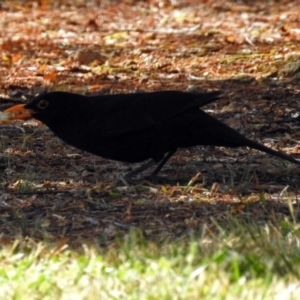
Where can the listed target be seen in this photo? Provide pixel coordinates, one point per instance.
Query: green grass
(238, 260)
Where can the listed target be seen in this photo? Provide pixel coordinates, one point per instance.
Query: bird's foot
(156, 179)
(128, 180)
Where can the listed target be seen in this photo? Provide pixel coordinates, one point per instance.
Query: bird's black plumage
(140, 126)
(127, 127)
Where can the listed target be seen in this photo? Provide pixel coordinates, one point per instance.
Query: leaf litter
(249, 51)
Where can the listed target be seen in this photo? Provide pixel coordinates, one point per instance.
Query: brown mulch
(247, 49)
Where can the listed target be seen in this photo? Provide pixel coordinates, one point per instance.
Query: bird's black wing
(134, 112)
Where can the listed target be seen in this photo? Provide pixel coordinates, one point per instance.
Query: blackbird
(135, 127)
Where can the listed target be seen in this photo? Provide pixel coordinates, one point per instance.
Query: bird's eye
(43, 104)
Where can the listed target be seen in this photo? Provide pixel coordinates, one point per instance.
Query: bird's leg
(140, 169)
(149, 164)
(162, 163)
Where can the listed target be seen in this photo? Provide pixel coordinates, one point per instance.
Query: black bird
(135, 127)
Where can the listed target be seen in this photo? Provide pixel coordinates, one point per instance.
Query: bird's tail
(219, 134)
(265, 149)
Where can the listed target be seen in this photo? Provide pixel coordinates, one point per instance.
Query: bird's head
(48, 108)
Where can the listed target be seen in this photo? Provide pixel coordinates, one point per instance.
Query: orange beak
(18, 112)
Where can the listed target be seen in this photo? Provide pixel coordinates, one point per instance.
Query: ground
(247, 49)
